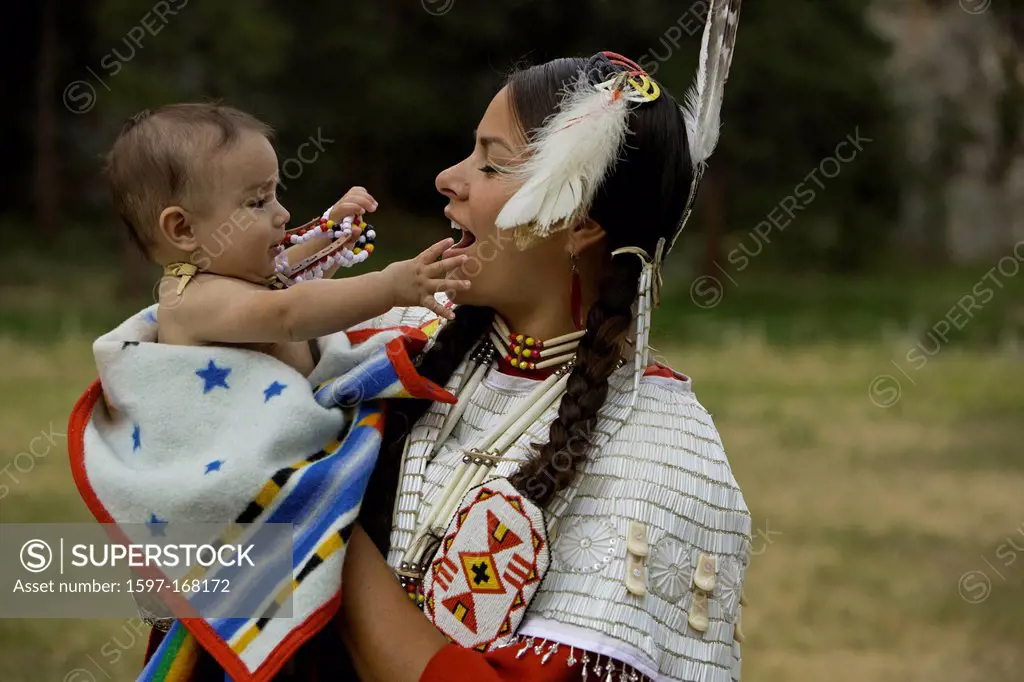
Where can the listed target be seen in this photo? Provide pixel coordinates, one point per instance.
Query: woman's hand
(386, 635)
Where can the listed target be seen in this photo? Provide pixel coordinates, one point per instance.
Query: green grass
(881, 511)
(873, 514)
(39, 388)
(812, 308)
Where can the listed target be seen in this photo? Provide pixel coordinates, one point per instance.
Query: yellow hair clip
(646, 87)
(642, 87)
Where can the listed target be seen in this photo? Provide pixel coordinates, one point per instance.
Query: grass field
(883, 534)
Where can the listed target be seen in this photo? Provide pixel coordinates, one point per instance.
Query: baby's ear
(176, 229)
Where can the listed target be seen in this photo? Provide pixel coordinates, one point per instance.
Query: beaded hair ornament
(575, 150)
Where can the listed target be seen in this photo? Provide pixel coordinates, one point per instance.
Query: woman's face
(501, 275)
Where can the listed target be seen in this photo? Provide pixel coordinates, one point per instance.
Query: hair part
(162, 157)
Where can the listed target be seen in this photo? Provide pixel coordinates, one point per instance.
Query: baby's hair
(160, 158)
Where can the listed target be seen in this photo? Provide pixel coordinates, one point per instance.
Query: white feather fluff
(568, 159)
(704, 99)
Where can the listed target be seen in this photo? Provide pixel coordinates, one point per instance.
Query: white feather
(704, 99)
(703, 108)
(570, 156)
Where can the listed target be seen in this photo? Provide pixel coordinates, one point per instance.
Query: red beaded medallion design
(489, 566)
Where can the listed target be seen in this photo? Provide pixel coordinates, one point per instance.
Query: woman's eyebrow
(488, 140)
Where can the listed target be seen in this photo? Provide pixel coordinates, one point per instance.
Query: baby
(196, 186)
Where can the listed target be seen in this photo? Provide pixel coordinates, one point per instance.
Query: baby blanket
(213, 435)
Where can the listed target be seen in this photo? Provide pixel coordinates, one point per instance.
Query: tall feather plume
(567, 161)
(702, 111)
(704, 98)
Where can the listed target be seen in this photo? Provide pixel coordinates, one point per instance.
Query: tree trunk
(46, 182)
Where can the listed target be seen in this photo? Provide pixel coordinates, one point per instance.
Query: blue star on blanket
(156, 525)
(214, 376)
(273, 389)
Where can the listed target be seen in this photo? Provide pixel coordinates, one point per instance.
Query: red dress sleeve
(453, 663)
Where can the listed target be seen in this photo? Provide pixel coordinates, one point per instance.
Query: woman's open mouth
(467, 238)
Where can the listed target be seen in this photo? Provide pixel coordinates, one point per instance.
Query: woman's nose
(450, 183)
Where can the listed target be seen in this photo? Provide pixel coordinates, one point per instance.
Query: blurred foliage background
(810, 268)
(394, 89)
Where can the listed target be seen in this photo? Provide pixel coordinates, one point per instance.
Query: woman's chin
(481, 292)
(464, 297)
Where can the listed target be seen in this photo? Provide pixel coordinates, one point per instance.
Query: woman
(646, 530)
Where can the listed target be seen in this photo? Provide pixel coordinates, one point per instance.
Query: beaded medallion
(492, 559)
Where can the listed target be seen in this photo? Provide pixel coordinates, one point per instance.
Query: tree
(46, 183)
(806, 75)
(398, 90)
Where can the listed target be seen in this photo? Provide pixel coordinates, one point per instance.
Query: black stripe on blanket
(317, 457)
(311, 565)
(250, 514)
(282, 475)
(267, 615)
(280, 479)
(316, 560)
(313, 562)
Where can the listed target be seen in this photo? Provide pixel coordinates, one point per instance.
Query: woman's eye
(489, 170)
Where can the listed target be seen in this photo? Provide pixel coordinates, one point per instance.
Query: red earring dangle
(575, 296)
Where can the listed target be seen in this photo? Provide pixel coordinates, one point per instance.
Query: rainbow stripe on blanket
(320, 494)
(176, 658)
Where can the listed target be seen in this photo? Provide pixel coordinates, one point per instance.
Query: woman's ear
(584, 235)
(176, 228)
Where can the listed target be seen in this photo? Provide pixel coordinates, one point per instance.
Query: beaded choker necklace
(526, 353)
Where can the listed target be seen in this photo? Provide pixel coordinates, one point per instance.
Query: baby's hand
(415, 281)
(356, 202)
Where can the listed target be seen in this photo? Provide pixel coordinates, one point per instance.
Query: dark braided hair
(608, 322)
(641, 200)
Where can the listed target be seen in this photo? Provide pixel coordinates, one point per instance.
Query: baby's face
(242, 222)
